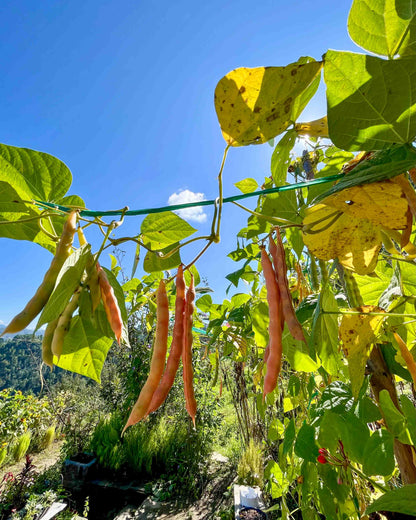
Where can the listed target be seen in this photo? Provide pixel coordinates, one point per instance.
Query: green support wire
(147, 211)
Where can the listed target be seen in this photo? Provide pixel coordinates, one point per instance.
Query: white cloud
(184, 196)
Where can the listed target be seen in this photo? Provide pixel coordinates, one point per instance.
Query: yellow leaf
(255, 105)
(382, 203)
(332, 234)
(358, 332)
(348, 224)
(316, 128)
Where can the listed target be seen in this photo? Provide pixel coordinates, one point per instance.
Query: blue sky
(122, 92)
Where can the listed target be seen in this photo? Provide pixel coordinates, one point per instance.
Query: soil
(251, 514)
(41, 461)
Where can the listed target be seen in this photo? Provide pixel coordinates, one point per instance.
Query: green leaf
(247, 185)
(278, 482)
(336, 397)
(400, 500)
(276, 429)
(367, 410)
(68, 280)
(153, 262)
(324, 337)
(194, 272)
(280, 161)
(305, 445)
(345, 427)
(204, 303)
(410, 413)
(260, 318)
(165, 229)
(289, 437)
(295, 240)
(303, 99)
(372, 287)
(282, 205)
(85, 348)
(371, 101)
(382, 165)
(235, 276)
(384, 27)
(378, 454)
(395, 421)
(25, 175)
(34, 175)
(297, 353)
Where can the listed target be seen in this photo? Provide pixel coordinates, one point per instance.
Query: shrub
(49, 437)
(21, 446)
(250, 467)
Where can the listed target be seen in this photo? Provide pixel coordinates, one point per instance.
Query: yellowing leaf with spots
(254, 105)
(316, 128)
(348, 224)
(358, 332)
(382, 203)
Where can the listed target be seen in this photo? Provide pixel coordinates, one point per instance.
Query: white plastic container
(249, 497)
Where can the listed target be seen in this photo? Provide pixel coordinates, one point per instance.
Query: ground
(216, 496)
(41, 461)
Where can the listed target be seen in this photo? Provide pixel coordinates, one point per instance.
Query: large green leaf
(345, 427)
(400, 500)
(260, 317)
(153, 262)
(409, 411)
(297, 353)
(336, 397)
(305, 445)
(386, 27)
(324, 337)
(34, 175)
(68, 280)
(27, 175)
(395, 421)
(382, 165)
(277, 480)
(282, 205)
(85, 348)
(371, 102)
(289, 438)
(372, 287)
(281, 157)
(165, 229)
(378, 454)
(303, 99)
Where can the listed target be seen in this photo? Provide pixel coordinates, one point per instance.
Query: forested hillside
(20, 365)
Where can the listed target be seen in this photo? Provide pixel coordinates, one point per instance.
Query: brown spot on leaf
(242, 89)
(294, 72)
(272, 117)
(257, 110)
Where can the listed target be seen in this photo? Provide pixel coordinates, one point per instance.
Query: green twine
(147, 211)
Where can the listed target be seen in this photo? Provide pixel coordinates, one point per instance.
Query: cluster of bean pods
(161, 377)
(281, 309)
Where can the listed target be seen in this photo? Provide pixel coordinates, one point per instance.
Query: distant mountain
(22, 332)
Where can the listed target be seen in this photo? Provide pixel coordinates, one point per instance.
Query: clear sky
(122, 92)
